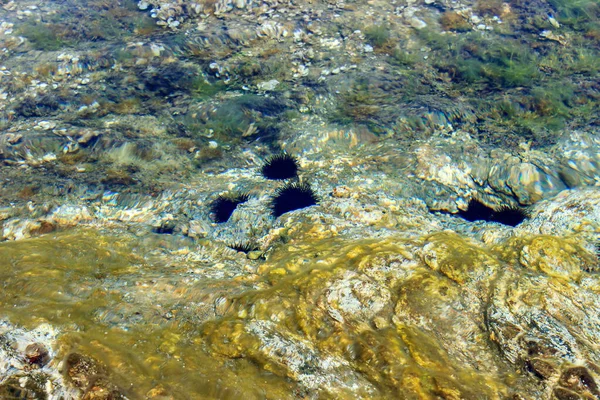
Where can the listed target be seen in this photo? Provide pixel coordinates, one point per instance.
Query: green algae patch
(116, 300)
(328, 322)
(44, 276)
(458, 259)
(558, 257)
(325, 317)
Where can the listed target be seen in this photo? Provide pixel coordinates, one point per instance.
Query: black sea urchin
(224, 205)
(476, 211)
(243, 247)
(506, 215)
(279, 167)
(293, 196)
(509, 215)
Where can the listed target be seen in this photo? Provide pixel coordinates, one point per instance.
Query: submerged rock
(121, 280)
(337, 309)
(368, 294)
(420, 317)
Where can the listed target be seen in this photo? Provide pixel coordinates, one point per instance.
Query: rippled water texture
(236, 199)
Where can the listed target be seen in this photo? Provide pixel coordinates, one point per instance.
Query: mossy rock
(557, 257)
(458, 259)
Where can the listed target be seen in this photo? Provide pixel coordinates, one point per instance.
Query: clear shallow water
(390, 119)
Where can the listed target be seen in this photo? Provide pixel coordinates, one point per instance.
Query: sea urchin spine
(281, 166)
(293, 196)
(509, 215)
(243, 247)
(225, 205)
(506, 215)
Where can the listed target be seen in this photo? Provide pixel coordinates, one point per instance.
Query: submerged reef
(453, 155)
(337, 307)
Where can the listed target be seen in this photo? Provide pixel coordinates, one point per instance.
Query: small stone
(417, 23)
(268, 85)
(278, 271)
(87, 136)
(49, 157)
(156, 49)
(302, 70)
(42, 227)
(547, 34)
(5, 213)
(13, 138)
(342, 192)
(198, 229)
(10, 6)
(380, 322)
(578, 379)
(46, 125)
(81, 370)
(541, 368)
(102, 389)
(159, 393)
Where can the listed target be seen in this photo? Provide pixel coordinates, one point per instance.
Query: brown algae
(98, 290)
(333, 317)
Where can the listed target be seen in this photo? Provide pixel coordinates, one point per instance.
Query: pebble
(10, 6)
(268, 85)
(417, 23)
(46, 125)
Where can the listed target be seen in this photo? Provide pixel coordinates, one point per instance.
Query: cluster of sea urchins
(291, 196)
(295, 195)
